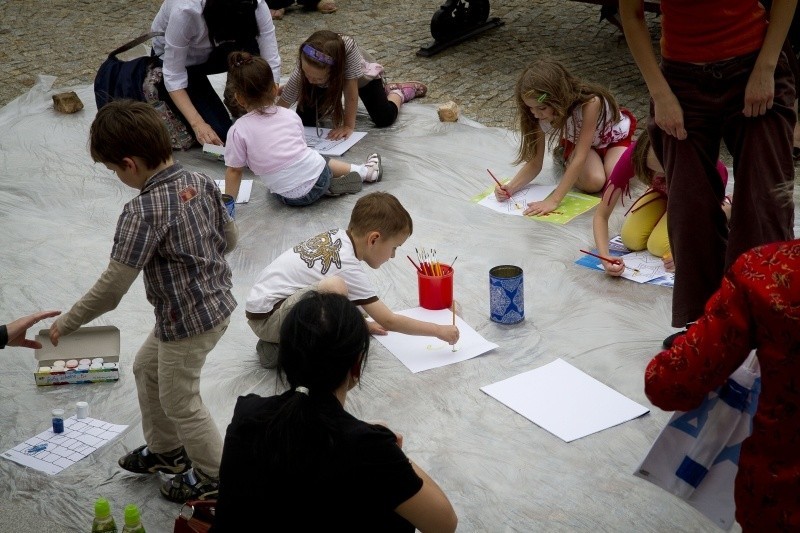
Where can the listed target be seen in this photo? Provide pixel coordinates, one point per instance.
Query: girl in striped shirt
(331, 65)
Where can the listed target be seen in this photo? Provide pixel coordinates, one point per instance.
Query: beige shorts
(269, 329)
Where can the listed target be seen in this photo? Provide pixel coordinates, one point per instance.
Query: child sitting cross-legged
(331, 262)
(269, 140)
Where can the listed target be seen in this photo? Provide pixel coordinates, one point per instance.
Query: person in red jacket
(757, 307)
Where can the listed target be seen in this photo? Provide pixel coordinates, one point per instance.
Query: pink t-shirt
(271, 143)
(623, 173)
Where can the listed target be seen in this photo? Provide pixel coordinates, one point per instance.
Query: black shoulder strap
(139, 40)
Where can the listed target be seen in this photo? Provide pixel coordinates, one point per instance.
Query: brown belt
(263, 316)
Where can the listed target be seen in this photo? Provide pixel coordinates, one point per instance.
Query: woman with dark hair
(198, 36)
(299, 462)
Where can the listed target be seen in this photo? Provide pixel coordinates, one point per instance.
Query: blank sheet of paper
(245, 190)
(423, 353)
(565, 401)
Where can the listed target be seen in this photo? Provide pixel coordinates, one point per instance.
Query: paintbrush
(610, 260)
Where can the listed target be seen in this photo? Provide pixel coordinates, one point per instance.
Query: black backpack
(117, 79)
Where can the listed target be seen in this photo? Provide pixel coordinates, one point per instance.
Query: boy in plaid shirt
(177, 231)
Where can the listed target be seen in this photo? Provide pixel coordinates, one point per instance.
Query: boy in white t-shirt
(331, 262)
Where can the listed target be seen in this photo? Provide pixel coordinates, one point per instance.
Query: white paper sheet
(328, 147)
(245, 190)
(565, 401)
(423, 353)
(519, 201)
(649, 267)
(53, 452)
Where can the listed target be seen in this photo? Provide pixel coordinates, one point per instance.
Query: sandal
(408, 89)
(326, 7)
(277, 14)
(374, 168)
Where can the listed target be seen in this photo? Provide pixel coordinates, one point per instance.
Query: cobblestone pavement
(70, 38)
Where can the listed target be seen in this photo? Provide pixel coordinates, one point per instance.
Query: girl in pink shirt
(270, 141)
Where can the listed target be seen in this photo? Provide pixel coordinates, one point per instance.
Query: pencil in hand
(610, 260)
(503, 188)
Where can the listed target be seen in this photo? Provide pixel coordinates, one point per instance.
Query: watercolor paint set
(89, 355)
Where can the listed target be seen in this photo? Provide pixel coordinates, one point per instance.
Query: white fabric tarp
(501, 472)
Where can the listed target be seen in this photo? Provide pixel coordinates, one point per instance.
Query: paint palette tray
(86, 343)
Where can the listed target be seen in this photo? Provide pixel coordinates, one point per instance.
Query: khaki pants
(168, 384)
(269, 330)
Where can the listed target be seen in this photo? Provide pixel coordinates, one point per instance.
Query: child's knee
(333, 284)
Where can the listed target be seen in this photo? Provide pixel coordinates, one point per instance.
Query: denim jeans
(317, 191)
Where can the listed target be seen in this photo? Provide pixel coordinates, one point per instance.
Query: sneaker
(193, 485)
(349, 183)
(143, 461)
(669, 341)
(408, 90)
(267, 353)
(374, 169)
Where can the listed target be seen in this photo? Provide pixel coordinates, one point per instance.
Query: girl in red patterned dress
(757, 307)
(553, 103)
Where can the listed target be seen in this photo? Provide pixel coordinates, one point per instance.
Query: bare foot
(277, 14)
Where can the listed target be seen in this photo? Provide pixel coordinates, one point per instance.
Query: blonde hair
(382, 212)
(639, 159)
(550, 83)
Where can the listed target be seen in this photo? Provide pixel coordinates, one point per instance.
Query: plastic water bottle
(133, 523)
(103, 521)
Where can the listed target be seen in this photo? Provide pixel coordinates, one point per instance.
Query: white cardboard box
(87, 342)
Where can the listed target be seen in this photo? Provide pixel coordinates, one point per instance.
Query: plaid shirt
(174, 231)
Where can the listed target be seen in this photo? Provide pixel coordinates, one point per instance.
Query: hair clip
(542, 98)
(315, 54)
(302, 390)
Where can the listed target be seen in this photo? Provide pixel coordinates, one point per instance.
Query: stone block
(448, 112)
(67, 102)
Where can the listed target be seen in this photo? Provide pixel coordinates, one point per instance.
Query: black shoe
(669, 341)
(267, 354)
(193, 485)
(143, 461)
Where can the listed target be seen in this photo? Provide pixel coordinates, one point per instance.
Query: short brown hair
(126, 128)
(382, 212)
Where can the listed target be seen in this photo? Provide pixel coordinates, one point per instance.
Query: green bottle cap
(102, 508)
(132, 515)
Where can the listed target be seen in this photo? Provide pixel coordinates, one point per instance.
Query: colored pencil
(502, 188)
(610, 260)
(415, 265)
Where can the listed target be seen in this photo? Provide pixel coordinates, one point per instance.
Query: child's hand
(614, 269)
(501, 194)
(54, 334)
(669, 263)
(541, 208)
(448, 334)
(375, 328)
(342, 132)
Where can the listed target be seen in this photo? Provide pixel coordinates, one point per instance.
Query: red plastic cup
(436, 292)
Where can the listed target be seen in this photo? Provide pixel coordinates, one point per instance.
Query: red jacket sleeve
(715, 346)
